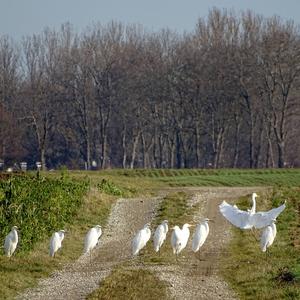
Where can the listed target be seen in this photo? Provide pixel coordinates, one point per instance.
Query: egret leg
(199, 256)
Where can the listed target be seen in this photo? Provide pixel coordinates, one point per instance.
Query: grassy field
(206, 177)
(255, 275)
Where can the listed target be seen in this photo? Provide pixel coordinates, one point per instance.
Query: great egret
(55, 242)
(91, 239)
(179, 238)
(268, 235)
(11, 242)
(249, 219)
(141, 238)
(160, 235)
(200, 235)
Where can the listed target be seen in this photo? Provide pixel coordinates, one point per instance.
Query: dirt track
(190, 279)
(198, 279)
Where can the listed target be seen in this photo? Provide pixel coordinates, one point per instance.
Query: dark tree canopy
(224, 95)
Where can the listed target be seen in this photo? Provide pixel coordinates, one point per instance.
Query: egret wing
(263, 219)
(235, 216)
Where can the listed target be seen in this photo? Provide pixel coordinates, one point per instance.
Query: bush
(110, 188)
(38, 206)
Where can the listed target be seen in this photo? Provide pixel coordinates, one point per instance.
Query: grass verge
(251, 273)
(124, 283)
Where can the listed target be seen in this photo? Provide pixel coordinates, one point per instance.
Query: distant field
(207, 177)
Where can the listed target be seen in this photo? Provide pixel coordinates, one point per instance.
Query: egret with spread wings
(249, 219)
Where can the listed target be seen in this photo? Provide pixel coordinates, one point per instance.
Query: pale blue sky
(22, 17)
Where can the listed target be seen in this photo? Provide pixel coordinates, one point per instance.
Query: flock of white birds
(90, 241)
(242, 219)
(179, 238)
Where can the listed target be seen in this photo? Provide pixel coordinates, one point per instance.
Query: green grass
(250, 272)
(124, 283)
(220, 177)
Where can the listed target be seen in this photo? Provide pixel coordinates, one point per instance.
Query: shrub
(38, 206)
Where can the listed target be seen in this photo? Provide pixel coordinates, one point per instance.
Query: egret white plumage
(200, 235)
(11, 242)
(179, 238)
(160, 235)
(141, 238)
(92, 238)
(56, 241)
(268, 235)
(249, 219)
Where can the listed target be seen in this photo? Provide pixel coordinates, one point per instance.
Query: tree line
(224, 95)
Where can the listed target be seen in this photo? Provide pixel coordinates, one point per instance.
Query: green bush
(110, 188)
(38, 206)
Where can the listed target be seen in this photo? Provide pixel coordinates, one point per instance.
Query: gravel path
(192, 278)
(79, 279)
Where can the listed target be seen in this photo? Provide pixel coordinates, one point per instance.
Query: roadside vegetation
(256, 275)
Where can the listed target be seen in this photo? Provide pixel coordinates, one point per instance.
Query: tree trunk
(236, 141)
(134, 147)
(178, 150)
(197, 146)
(124, 148)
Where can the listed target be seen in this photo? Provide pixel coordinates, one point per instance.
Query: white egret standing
(91, 239)
(160, 235)
(179, 238)
(200, 235)
(55, 242)
(249, 219)
(11, 242)
(268, 235)
(141, 238)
